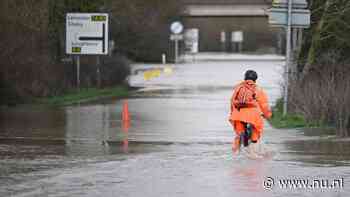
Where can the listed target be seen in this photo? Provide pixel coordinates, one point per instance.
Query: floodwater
(177, 144)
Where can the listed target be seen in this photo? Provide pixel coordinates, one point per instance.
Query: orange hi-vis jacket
(251, 115)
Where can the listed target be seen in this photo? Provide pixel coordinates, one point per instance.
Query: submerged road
(178, 143)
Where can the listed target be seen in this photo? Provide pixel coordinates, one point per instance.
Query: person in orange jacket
(249, 103)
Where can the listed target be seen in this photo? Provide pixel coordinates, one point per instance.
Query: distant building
(217, 19)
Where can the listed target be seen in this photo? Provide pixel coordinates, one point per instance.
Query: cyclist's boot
(253, 151)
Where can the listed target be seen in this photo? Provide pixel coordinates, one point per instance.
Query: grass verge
(85, 95)
(288, 121)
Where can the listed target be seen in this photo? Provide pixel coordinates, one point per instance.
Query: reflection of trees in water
(93, 129)
(320, 151)
(33, 122)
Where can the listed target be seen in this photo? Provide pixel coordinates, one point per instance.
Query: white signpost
(176, 28)
(87, 34)
(191, 40)
(237, 36)
(223, 40)
(237, 39)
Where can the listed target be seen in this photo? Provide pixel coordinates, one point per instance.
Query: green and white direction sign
(87, 33)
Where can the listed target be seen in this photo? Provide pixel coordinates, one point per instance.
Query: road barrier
(154, 73)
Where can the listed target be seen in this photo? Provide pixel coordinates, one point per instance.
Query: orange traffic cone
(125, 112)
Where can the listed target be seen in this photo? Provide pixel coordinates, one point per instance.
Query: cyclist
(248, 103)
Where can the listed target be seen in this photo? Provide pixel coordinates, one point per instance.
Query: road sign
(191, 40)
(176, 27)
(176, 37)
(87, 33)
(301, 4)
(237, 36)
(278, 17)
(223, 36)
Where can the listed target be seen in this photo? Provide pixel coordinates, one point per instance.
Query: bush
(114, 70)
(141, 28)
(324, 96)
(33, 43)
(8, 96)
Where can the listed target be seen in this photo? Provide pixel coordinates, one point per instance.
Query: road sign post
(286, 71)
(191, 40)
(289, 14)
(223, 40)
(237, 39)
(176, 28)
(87, 34)
(176, 38)
(98, 71)
(191, 37)
(78, 71)
(176, 51)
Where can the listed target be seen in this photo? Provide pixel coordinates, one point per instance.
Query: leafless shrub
(324, 95)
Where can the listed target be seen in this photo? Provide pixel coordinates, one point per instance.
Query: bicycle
(245, 136)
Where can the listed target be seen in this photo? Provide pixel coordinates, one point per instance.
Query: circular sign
(176, 27)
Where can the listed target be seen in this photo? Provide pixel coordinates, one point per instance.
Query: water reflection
(250, 176)
(33, 122)
(125, 129)
(81, 130)
(328, 152)
(97, 128)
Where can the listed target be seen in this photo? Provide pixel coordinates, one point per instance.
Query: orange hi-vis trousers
(239, 127)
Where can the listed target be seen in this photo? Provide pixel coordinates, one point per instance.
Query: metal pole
(295, 39)
(98, 72)
(163, 59)
(300, 39)
(176, 50)
(78, 72)
(288, 54)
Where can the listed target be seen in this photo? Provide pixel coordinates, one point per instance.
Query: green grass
(288, 121)
(85, 95)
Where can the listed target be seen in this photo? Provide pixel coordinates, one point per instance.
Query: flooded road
(178, 142)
